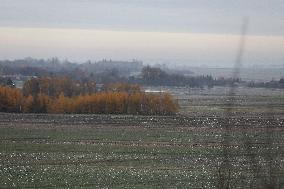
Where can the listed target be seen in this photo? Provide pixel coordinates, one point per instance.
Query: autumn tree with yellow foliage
(10, 99)
(119, 98)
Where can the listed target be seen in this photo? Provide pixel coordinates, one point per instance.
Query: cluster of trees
(53, 86)
(108, 71)
(271, 84)
(156, 76)
(11, 99)
(6, 82)
(54, 66)
(122, 87)
(114, 103)
(36, 67)
(62, 95)
(25, 71)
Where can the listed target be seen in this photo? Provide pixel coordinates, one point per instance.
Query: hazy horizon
(174, 32)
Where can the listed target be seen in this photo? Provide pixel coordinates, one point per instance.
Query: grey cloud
(205, 16)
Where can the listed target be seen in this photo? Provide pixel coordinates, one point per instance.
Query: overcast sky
(177, 31)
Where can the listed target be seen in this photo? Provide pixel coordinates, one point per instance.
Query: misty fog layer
(164, 31)
(151, 47)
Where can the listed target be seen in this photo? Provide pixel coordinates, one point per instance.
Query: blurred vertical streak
(225, 167)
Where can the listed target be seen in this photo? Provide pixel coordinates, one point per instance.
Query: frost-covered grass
(213, 101)
(103, 151)
(126, 151)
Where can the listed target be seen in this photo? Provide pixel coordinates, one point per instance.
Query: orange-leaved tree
(10, 99)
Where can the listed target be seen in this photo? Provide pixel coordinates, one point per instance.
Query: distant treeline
(54, 66)
(271, 84)
(63, 95)
(108, 71)
(156, 76)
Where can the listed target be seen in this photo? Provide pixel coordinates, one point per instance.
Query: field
(255, 73)
(194, 149)
(214, 102)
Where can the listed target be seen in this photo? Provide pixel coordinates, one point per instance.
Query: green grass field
(85, 151)
(117, 151)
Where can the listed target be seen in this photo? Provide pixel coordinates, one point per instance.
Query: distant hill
(41, 67)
